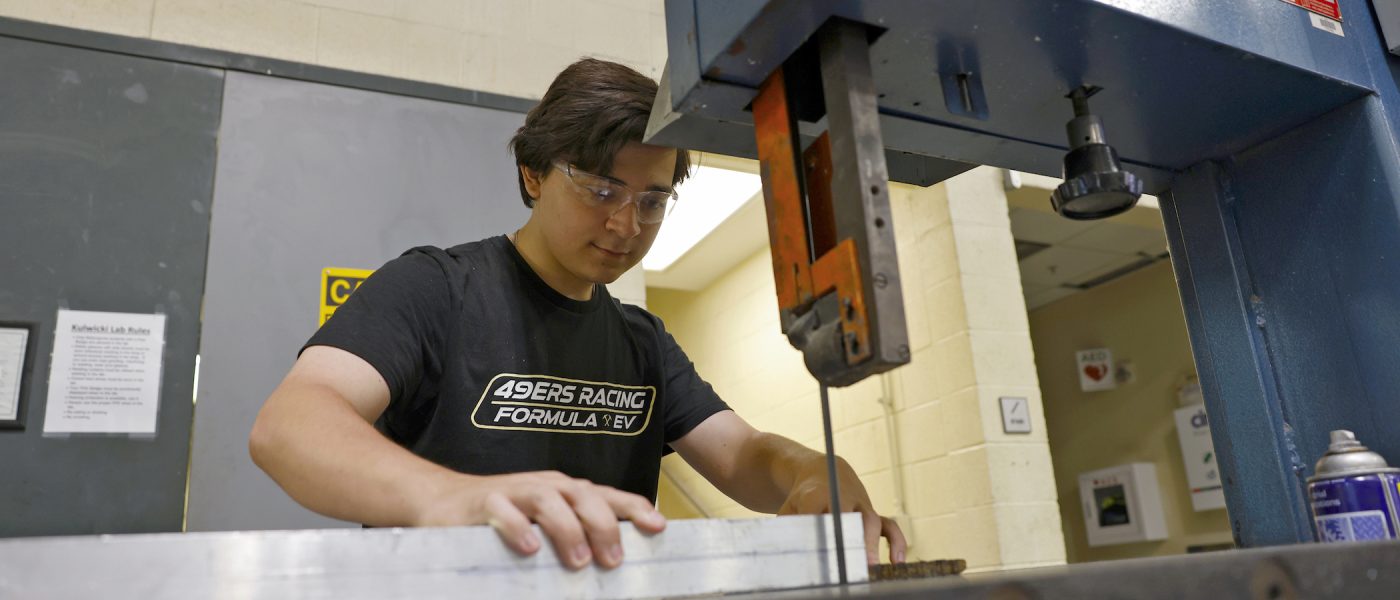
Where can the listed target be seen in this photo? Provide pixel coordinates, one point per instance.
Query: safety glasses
(608, 195)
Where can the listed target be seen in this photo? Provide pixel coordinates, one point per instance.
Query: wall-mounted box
(1198, 456)
(1122, 504)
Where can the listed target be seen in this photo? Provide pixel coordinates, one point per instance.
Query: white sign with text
(106, 371)
(1015, 415)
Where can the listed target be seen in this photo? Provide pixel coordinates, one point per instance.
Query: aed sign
(1095, 370)
(337, 284)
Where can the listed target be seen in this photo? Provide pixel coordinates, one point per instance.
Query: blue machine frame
(1269, 140)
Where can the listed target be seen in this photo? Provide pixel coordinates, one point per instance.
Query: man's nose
(626, 221)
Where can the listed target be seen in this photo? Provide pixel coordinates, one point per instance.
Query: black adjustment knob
(1096, 186)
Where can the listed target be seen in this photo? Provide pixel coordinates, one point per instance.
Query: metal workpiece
(692, 557)
(774, 557)
(1341, 571)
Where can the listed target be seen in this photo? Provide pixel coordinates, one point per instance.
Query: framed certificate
(16, 364)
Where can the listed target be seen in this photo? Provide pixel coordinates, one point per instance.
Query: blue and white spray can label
(1354, 494)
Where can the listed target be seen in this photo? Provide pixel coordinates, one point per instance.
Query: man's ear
(533, 181)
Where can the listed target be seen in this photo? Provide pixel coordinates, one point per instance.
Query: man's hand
(770, 473)
(579, 517)
(314, 437)
(811, 494)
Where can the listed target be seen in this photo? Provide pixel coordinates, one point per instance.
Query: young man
(497, 382)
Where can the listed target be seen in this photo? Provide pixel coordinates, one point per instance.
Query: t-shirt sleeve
(395, 321)
(689, 399)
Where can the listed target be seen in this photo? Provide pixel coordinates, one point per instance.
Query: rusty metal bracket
(834, 262)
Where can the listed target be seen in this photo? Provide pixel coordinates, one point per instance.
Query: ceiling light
(707, 198)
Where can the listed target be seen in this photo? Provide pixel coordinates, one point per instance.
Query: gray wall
(312, 176)
(106, 173)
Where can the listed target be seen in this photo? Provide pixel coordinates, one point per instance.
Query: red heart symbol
(1095, 372)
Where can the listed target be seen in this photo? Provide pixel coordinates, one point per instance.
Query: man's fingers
(872, 524)
(556, 517)
(898, 545)
(511, 524)
(789, 506)
(634, 508)
(599, 521)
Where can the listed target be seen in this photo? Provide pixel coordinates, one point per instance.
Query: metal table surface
(700, 556)
(1363, 570)
(742, 558)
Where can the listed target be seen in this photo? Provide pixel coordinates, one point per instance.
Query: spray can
(1354, 493)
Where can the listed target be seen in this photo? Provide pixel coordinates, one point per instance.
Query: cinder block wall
(510, 47)
(933, 451)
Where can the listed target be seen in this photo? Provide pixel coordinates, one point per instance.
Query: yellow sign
(336, 285)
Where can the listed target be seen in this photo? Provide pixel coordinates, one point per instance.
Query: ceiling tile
(1043, 227)
(1025, 249)
(1154, 244)
(1029, 289)
(1111, 266)
(1114, 237)
(1058, 265)
(1048, 296)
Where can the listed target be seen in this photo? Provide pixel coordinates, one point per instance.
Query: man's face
(593, 244)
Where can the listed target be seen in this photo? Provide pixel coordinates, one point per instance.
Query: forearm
(768, 466)
(772, 474)
(331, 460)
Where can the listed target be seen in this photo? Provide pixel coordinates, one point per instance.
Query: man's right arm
(314, 437)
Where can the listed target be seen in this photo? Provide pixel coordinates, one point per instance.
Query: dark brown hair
(591, 111)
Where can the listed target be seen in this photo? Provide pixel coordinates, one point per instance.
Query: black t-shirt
(492, 371)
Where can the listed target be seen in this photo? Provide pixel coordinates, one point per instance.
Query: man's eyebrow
(655, 187)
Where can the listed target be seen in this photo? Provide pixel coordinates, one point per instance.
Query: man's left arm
(772, 474)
